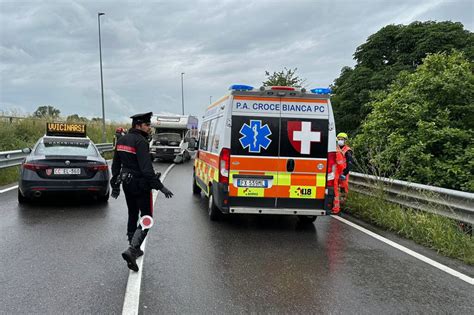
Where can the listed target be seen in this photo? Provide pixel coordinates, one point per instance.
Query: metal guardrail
(11, 158)
(449, 203)
(16, 157)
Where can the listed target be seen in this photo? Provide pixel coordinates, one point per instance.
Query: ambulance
(268, 150)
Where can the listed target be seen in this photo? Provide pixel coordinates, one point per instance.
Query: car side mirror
(26, 150)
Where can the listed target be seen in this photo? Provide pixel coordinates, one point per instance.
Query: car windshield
(171, 137)
(76, 149)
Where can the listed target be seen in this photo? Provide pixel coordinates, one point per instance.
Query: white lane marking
(409, 251)
(132, 293)
(8, 189)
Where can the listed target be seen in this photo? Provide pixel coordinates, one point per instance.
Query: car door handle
(290, 165)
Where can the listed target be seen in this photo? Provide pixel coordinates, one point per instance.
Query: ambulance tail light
(283, 88)
(331, 169)
(224, 165)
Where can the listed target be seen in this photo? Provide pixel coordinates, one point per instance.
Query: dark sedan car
(63, 164)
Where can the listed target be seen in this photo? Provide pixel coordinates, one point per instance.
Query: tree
(421, 128)
(47, 112)
(393, 49)
(76, 118)
(287, 77)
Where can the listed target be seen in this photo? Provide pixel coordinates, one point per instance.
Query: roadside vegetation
(408, 103)
(433, 231)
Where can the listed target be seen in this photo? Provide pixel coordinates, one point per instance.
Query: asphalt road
(63, 256)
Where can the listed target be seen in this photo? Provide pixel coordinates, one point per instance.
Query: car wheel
(104, 198)
(196, 188)
(307, 219)
(213, 211)
(22, 199)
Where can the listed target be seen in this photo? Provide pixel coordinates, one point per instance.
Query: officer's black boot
(130, 236)
(131, 254)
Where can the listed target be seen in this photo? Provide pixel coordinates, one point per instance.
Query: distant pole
(101, 80)
(182, 92)
(210, 100)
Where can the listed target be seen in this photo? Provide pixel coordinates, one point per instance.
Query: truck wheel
(196, 188)
(213, 211)
(307, 219)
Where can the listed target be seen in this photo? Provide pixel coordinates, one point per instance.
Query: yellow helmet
(342, 135)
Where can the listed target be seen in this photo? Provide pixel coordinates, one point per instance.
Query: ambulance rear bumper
(276, 211)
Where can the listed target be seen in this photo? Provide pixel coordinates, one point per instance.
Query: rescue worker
(132, 167)
(344, 164)
(119, 132)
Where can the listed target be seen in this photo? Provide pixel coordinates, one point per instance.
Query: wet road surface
(63, 256)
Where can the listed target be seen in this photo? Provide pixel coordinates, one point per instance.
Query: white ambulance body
(268, 151)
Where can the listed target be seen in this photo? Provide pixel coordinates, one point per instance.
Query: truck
(174, 137)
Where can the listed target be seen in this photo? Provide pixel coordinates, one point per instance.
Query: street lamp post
(210, 100)
(182, 93)
(101, 80)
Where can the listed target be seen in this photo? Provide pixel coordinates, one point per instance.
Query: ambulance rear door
(254, 161)
(303, 152)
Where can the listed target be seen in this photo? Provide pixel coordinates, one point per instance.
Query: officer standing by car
(132, 168)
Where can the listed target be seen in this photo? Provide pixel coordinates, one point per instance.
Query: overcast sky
(49, 49)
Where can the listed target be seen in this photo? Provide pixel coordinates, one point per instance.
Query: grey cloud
(49, 49)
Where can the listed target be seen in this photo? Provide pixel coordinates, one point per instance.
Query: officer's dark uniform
(132, 166)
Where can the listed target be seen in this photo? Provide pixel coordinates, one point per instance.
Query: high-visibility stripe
(256, 163)
(218, 102)
(126, 148)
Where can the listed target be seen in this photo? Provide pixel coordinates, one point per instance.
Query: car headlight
(177, 150)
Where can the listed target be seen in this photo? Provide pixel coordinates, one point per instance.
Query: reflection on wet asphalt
(63, 256)
(270, 264)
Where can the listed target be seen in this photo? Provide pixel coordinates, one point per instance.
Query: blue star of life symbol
(255, 136)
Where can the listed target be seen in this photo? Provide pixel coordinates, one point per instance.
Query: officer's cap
(141, 118)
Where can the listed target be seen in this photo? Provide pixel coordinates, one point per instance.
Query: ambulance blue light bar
(321, 91)
(241, 87)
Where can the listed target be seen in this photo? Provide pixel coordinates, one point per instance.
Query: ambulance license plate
(67, 171)
(258, 183)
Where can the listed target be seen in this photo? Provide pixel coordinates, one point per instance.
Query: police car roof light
(321, 91)
(283, 88)
(241, 87)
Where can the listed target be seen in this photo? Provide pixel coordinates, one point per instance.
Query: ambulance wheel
(307, 219)
(213, 211)
(196, 188)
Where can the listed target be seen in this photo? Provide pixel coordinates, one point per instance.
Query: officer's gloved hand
(114, 182)
(342, 177)
(115, 192)
(166, 192)
(115, 187)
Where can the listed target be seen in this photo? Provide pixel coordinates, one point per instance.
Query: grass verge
(9, 175)
(434, 231)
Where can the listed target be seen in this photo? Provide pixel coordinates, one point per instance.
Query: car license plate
(257, 183)
(67, 171)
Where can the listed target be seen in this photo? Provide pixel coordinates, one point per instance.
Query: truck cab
(173, 137)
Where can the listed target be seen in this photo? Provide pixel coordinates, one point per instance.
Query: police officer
(133, 168)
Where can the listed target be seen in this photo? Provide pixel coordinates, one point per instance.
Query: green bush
(421, 128)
